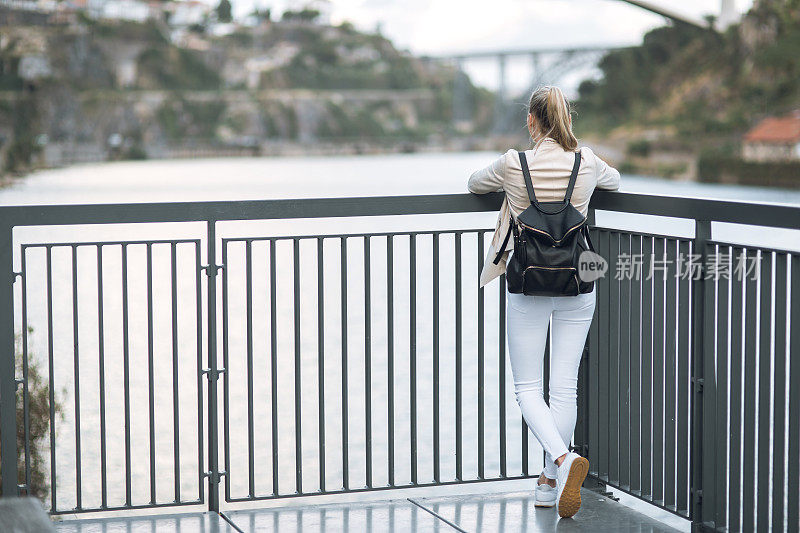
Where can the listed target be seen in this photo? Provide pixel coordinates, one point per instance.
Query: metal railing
(368, 361)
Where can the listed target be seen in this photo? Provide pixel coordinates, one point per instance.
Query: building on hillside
(188, 13)
(133, 10)
(774, 139)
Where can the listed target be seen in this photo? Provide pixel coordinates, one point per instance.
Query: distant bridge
(563, 60)
(675, 16)
(515, 52)
(549, 64)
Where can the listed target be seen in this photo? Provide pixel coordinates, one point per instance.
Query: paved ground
(512, 512)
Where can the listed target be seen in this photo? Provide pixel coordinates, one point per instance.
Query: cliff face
(133, 89)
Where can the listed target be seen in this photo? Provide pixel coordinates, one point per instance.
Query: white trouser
(527, 321)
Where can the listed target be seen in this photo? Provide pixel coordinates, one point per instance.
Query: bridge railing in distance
(216, 369)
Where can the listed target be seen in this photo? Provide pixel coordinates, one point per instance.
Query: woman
(550, 162)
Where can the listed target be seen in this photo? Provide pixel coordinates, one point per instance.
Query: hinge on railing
(212, 375)
(211, 270)
(15, 275)
(582, 449)
(697, 494)
(215, 477)
(698, 385)
(19, 382)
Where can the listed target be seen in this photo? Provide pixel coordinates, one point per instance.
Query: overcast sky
(439, 26)
(450, 26)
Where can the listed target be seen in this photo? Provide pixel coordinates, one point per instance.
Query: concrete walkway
(512, 512)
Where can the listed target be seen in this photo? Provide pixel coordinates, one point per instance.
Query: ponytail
(552, 112)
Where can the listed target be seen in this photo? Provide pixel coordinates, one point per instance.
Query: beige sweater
(550, 168)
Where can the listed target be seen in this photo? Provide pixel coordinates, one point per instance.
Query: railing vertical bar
(176, 456)
(709, 388)
(659, 285)
(459, 363)
(51, 378)
(481, 364)
(199, 347)
(722, 280)
(592, 399)
(646, 394)
(213, 373)
(345, 371)
(412, 355)
(603, 298)
(735, 385)
(546, 394)
(435, 311)
(779, 414)
(684, 390)
(625, 365)
(126, 374)
(793, 472)
(273, 362)
(76, 377)
(765, 389)
(151, 389)
(248, 259)
(501, 373)
(390, 350)
(635, 337)
(581, 434)
(670, 347)
(298, 429)
(748, 448)
(226, 363)
(8, 383)
(368, 360)
(321, 360)
(614, 360)
(26, 418)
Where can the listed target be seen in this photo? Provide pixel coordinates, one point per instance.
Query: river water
(175, 365)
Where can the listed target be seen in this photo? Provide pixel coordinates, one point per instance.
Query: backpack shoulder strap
(573, 177)
(502, 249)
(526, 173)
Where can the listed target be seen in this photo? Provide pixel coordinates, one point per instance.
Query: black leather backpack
(547, 244)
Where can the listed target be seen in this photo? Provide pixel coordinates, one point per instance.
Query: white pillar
(727, 14)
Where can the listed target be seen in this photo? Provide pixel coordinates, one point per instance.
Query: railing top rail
(761, 214)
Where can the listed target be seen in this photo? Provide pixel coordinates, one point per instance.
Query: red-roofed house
(774, 139)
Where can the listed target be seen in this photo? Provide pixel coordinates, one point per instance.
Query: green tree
(224, 13)
(305, 15)
(39, 425)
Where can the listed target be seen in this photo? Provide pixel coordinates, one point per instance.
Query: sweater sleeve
(607, 176)
(488, 179)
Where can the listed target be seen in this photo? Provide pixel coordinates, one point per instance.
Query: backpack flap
(555, 226)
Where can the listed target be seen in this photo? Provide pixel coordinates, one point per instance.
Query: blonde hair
(552, 113)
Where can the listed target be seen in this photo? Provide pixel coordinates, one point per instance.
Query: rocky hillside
(97, 89)
(692, 90)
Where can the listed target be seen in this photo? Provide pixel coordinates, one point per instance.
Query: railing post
(703, 387)
(212, 372)
(581, 435)
(8, 384)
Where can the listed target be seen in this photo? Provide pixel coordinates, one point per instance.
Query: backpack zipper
(574, 274)
(551, 237)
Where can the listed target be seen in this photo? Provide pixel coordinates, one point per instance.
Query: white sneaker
(571, 473)
(544, 495)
